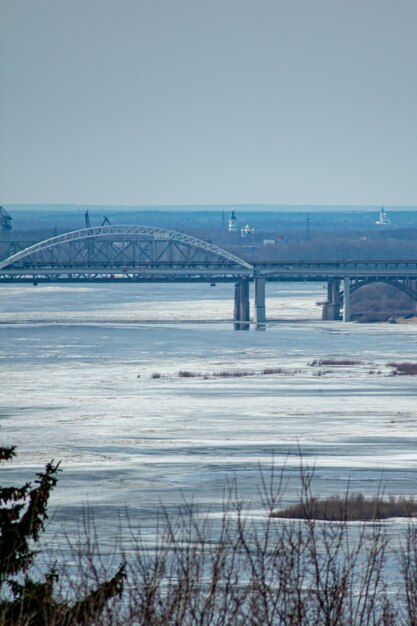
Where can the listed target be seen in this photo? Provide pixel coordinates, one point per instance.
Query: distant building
(383, 220)
(246, 231)
(233, 222)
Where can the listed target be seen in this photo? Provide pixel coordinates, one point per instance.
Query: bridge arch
(211, 253)
(412, 293)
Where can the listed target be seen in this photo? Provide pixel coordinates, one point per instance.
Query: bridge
(148, 254)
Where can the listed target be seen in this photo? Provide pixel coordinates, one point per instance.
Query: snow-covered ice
(77, 365)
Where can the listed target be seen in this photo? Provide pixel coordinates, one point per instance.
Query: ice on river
(77, 385)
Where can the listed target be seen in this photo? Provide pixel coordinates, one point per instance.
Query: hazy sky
(208, 101)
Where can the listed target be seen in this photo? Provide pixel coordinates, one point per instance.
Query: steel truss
(133, 252)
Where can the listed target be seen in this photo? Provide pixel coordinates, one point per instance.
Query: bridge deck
(300, 271)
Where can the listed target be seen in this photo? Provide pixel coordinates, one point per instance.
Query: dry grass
(225, 374)
(318, 362)
(187, 374)
(238, 373)
(234, 374)
(404, 369)
(277, 370)
(351, 507)
(399, 369)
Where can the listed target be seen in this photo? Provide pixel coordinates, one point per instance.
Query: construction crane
(105, 221)
(5, 220)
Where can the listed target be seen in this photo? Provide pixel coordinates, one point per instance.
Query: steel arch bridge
(139, 253)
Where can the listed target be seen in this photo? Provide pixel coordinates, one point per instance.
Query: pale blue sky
(215, 101)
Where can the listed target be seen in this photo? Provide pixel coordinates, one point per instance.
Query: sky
(208, 101)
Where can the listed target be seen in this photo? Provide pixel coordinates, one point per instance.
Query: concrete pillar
(236, 313)
(335, 288)
(330, 291)
(260, 312)
(244, 305)
(346, 299)
(331, 308)
(241, 308)
(330, 312)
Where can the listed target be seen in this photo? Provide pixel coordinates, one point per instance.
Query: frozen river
(90, 377)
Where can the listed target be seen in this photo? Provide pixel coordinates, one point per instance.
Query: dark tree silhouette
(23, 512)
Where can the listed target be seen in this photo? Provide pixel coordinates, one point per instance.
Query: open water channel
(89, 376)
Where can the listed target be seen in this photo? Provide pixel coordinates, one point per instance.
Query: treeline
(379, 302)
(329, 247)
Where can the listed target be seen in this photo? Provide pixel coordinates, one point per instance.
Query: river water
(90, 377)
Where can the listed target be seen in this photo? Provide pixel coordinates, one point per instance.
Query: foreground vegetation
(26, 600)
(235, 569)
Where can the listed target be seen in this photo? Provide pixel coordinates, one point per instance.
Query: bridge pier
(346, 299)
(241, 316)
(331, 308)
(259, 316)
